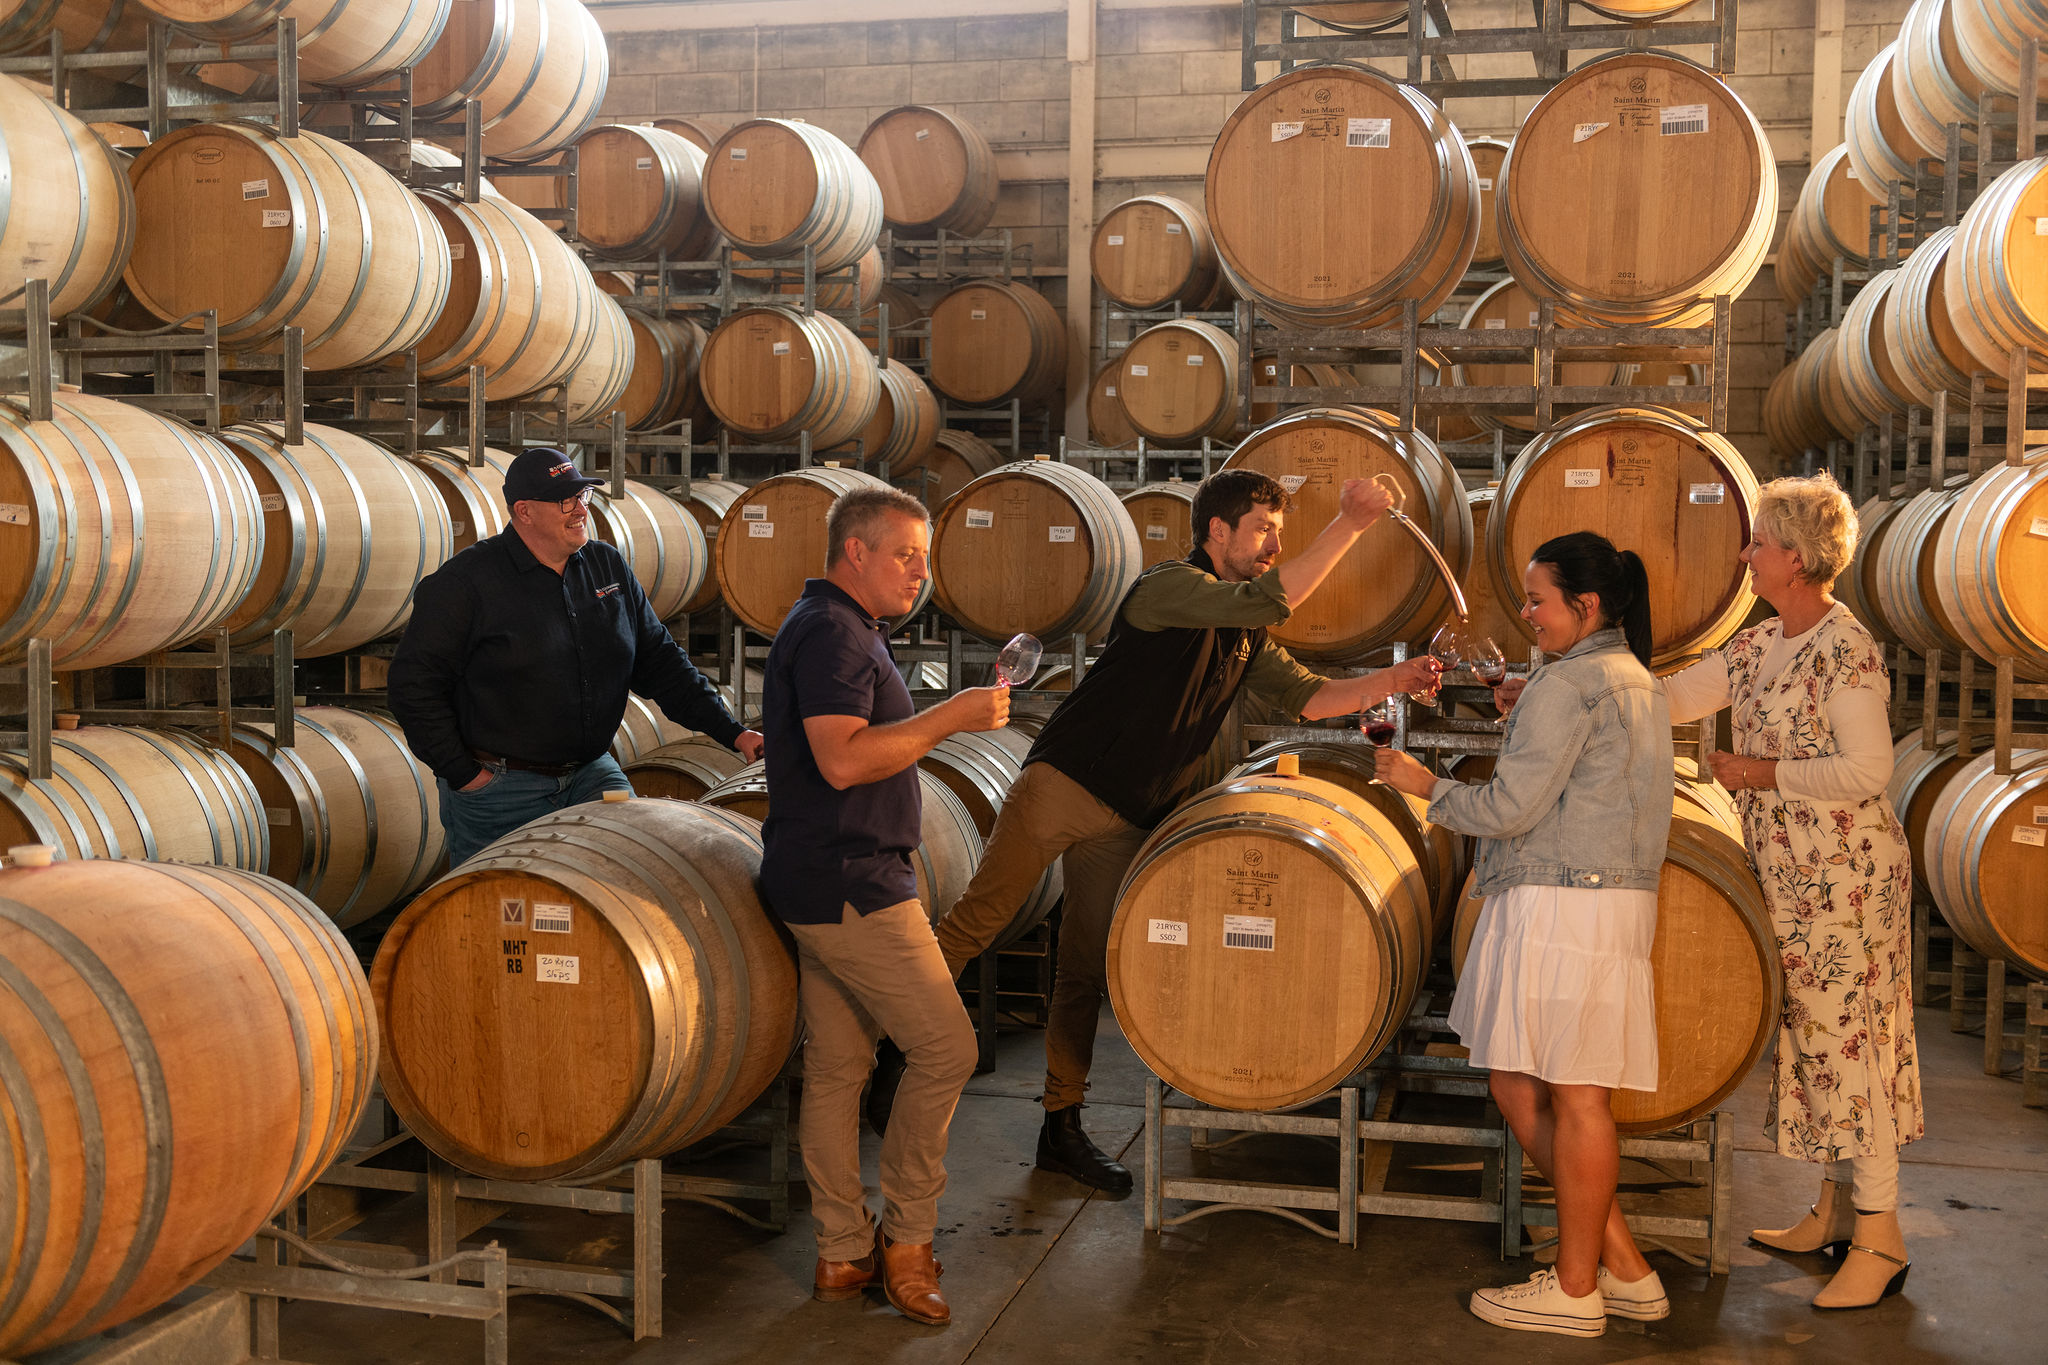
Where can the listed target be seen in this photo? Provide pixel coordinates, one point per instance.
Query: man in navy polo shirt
(843, 741)
(512, 675)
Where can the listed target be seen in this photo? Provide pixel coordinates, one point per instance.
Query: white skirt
(1558, 985)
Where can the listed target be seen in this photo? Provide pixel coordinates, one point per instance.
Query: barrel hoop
(391, 54)
(362, 780)
(419, 786)
(238, 789)
(151, 1091)
(39, 604)
(346, 313)
(85, 214)
(120, 785)
(223, 541)
(306, 793)
(114, 615)
(151, 738)
(15, 788)
(292, 591)
(362, 502)
(22, 1098)
(298, 187)
(535, 315)
(67, 807)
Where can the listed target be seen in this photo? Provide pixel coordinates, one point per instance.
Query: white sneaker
(1540, 1304)
(1644, 1299)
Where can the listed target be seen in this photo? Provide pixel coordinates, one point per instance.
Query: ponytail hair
(1585, 564)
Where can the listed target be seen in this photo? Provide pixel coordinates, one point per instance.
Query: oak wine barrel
(1386, 588)
(1488, 155)
(1162, 513)
(774, 187)
(773, 538)
(1155, 251)
(906, 423)
(933, 171)
(1989, 35)
(1336, 193)
(1492, 615)
(1869, 379)
(1033, 546)
(639, 194)
(683, 769)
(979, 768)
(1908, 567)
(1509, 305)
(994, 340)
(641, 958)
(349, 530)
(663, 385)
(1268, 941)
(595, 384)
(1932, 85)
(1625, 217)
(905, 313)
(1179, 382)
(1985, 858)
(189, 1047)
(72, 222)
(1918, 332)
(85, 25)
(1654, 482)
(1879, 146)
(1990, 565)
(473, 494)
(856, 288)
(954, 460)
(659, 539)
(707, 501)
(121, 531)
(768, 373)
(1857, 584)
(1919, 776)
(354, 818)
(696, 132)
(342, 43)
(1830, 218)
(1108, 425)
(1995, 278)
(538, 68)
(301, 231)
(644, 728)
(118, 791)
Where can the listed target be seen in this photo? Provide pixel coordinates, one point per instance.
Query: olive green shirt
(1180, 596)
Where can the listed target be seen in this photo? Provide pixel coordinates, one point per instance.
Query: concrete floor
(1037, 1271)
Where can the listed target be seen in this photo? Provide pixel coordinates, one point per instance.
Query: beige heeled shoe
(1874, 1268)
(1828, 1225)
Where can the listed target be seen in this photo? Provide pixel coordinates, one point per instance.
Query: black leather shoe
(1063, 1147)
(883, 1083)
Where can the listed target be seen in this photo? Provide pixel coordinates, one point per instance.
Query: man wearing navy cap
(513, 673)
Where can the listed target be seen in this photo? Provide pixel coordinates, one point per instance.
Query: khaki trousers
(1048, 815)
(866, 976)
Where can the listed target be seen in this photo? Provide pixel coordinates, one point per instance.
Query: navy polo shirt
(825, 848)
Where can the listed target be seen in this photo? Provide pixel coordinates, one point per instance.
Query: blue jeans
(512, 798)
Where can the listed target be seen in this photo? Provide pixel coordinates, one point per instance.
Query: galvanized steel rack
(1431, 39)
(1149, 462)
(948, 257)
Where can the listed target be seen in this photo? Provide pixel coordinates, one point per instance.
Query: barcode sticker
(1116, 239)
(1166, 931)
(255, 189)
(923, 133)
(13, 514)
(1195, 358)
(2031, 834)
(1283, 131)
(645, 163)
(1368, 132)
(272, 502)
(566, 971)
(2039, 528)
(980, 518)
(1248, 931)
(977, 315)
(1173, 229)
(1485, 182)
(1292, 483)
(1582, 478)
(1141, 371)
(276, 815)
(1109, 391)
(1155, 533)
(1060, 535)
(1674, 119)
(1535, 318)
(1493, 324)
(755, 513)
(737, 154)
(2041, 815)
(760, 530)
(277, 218)
(1709, 492)
(780, 348)
(457, 250)
(1586, 130)
(552, 919)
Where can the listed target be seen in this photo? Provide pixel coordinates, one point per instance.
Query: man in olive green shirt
(1131, 742)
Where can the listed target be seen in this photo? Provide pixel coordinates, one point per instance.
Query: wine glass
(1487, 662)
(1017, 664)
(1376, 723)
(1447, 648)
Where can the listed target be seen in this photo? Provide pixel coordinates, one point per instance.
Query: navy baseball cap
(544, 475)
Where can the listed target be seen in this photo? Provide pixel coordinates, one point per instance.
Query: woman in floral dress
(1813, 755)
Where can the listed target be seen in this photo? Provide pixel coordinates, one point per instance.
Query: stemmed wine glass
(1017, 664)
(1447, 647)
(1376, 723)
(1487, 662)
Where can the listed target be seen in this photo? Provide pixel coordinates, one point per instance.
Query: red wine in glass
(1379, 733)
(1492, 672)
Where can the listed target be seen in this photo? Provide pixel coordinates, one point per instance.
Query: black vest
(1135, 732)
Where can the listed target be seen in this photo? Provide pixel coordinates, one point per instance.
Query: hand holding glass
(1376, 723)
(1017, 664)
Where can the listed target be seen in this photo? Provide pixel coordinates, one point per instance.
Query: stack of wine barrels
(1932, 84)
(649, 903)
(538, 68)
(1178, 382)
(1586, 216)
(907, 421)
(934, 171)
(1163, 515)
(769, 373)
(121, 792)
(340, 45)
(955, 459)
(775, 187)
(1335, 194)
(1034, 546)
(683, 769)
(639, 194)
(126, 531)
(660, 541)
(1654, 482)
(773, 538)
(1508, 305)
(663, 384)
(1989, 35)
(1155, 251)
(1386, 588)
(188, 1048)
(1830, 219)
(994, 340)
(77, 231)
(707, 503)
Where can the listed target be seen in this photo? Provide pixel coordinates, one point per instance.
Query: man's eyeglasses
(570, 504)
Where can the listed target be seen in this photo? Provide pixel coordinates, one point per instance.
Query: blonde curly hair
(1814, 519)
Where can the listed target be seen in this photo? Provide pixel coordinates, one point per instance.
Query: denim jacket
(1581, 794)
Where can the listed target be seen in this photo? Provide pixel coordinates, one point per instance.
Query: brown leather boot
(834, 1281)
(910, 1277)
(1827, 1226)
(1874, 1268)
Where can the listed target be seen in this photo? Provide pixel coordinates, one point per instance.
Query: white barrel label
(1676, 119)
(980, 518)
(255, 189)
(565, 970)
(2028, 834)
(1141, 371)
(1582, 478)
(1284, 131)
(760, 530)
(552, 919)
(1060, 535)
(1166, 931)
(754, 513)
(1115, 240)
(1586, 130)
(1155, 533)
(1369, 132)
(13, 514)
(1709, 492)
(1248, 931)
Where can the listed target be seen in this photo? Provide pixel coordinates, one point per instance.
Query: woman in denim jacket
(1557, 997)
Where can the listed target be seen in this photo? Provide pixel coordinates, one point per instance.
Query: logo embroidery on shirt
(607, 590)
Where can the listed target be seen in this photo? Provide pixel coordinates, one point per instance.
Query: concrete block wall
(1167, 77)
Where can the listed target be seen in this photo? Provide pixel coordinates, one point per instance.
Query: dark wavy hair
(1229, 494)
(1586, 564)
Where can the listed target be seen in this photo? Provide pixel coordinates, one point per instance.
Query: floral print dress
(1838, 879)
